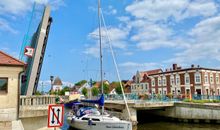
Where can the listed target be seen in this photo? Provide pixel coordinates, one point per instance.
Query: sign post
(55, 116)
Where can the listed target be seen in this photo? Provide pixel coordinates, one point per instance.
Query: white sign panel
(28, 51)
(55, 115)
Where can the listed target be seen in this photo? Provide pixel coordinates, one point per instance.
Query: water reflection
(161, 125)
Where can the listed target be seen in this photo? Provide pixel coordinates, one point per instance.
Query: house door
(198, 91)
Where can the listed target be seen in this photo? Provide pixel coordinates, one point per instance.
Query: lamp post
(51, 80)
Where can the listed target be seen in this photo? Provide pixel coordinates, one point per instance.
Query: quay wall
(191, 112)
(34, 123)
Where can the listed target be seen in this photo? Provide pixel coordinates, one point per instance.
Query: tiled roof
(150, 72)
(8, 60)
(57, 81)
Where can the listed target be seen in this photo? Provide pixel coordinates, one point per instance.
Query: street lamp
(51, 80)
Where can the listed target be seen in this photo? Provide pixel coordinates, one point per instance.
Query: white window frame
(206, 78)
(177, 79)
(211, 78)
(164, 81)
(153, 82)
(187, 76)
(197, 74)
(217, 78)
(159, 81)
(172, 82)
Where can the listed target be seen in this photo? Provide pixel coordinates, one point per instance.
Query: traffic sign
(29, 51)
(55, 115)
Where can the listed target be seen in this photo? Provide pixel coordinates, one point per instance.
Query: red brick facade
(194, 80)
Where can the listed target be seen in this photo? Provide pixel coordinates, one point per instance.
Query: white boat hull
(97, 125)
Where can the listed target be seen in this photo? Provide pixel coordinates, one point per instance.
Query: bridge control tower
(34, 63)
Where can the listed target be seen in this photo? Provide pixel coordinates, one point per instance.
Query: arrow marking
(53, 116)
(58, 114)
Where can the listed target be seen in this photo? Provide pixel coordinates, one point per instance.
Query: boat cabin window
(94, 119)
(84, 118)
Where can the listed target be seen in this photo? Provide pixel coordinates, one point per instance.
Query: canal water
(161, 125)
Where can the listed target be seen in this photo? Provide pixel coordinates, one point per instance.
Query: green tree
(95, 91)
(38, 93)
(118, 89)
(80, 83)
(106, 88)
(85, 92)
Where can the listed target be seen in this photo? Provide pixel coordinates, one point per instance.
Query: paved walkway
(17, 125)
(5, 125)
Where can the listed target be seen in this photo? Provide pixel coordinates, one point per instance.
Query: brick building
(178, 81)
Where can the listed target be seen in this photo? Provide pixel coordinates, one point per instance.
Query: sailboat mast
(100, 45)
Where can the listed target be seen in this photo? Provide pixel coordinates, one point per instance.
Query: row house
(141, 82)
(194, 80)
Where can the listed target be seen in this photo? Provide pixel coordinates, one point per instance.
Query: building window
(153, 82)
(197, 77)
(138, 80)
(164, 81)
(211, 78)
(145, 86)
(172, 80)
(206, 79)
(187, 80)
(177, 79)
(217, 79)
(3, 85)
(159, 81)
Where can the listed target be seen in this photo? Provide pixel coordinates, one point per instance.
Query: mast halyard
(100, 45)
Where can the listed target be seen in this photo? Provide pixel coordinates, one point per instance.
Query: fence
(160, 97)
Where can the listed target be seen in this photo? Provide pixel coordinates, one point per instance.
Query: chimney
(192, 66)
(174, 66)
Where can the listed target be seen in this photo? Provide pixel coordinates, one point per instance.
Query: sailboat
(90, 118)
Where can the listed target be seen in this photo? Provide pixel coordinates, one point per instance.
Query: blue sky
(145, 34)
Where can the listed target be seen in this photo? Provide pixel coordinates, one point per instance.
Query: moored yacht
(98, 122)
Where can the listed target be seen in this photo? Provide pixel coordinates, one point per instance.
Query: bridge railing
(205, 97)
(150, 98)
(162, 97)
(37, 100)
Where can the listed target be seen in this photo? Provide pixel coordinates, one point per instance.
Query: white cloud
(132, 67)
(4, 26)
(15, 7)
(128, 53)
(21, 7)
(117, 36)
(204, 8)
(204, 44)
(155, 10)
